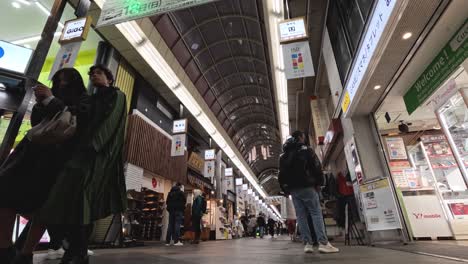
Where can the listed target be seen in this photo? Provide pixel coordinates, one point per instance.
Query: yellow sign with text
(346, 102)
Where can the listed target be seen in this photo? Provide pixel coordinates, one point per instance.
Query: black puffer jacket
(176, 200)
(299, 167)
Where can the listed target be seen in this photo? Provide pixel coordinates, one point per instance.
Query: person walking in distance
(261, 223)
(198, 210)
(271, 227)
(301, 176)
(175, 206)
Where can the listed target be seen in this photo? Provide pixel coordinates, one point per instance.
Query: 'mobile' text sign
(118, 11)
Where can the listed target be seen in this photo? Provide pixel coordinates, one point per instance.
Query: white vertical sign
(297, 60)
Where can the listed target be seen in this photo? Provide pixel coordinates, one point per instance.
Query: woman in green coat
(92, 184)
(198, 210)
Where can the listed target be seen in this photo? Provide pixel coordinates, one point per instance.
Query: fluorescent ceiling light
(275, 11)
(377, 87)
(16, 5)
(32, 39)
(43, 8)
(407, 35)
(24, 2)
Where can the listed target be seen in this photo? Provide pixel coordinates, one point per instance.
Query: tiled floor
(255, 251)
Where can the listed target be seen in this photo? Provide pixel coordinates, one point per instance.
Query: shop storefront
(425, 139)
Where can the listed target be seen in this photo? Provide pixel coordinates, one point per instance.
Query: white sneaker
(328, 248)
(55, 254)
(90, 253)
(168, 245)
(308, 248)
(178, 244)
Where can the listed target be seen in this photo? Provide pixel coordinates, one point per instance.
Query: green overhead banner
(118, 11)
(446, 61)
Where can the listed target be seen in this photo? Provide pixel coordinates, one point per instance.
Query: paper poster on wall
(178, 145)
(66, 57)
(297, 60)
(396, 148)
(209, 170)
(379, 206)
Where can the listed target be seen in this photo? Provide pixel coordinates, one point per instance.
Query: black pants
(78, 236)
(56, 233)
(196, 224)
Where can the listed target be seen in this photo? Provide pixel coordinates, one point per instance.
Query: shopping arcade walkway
(255, 251)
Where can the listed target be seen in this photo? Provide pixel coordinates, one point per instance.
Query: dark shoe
(66, 257)
(7, 255)
(23, 259)
(80, 260)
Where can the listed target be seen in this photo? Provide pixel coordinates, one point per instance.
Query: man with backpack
(175, 206)
(301, 176)
(198, 210)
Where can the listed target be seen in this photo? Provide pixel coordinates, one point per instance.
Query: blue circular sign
(2, 52)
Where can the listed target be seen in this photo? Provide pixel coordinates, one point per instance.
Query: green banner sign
(118, 11)
(448, 59)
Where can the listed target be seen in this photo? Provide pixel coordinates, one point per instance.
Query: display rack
(152, 214)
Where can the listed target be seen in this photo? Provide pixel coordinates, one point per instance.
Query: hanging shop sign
(209, 170)
(274, 200)
(66, 57)
(334, 131)
(444, 94)
(210, 154)
(379, 206)
(239, 181)
(75, 30)
(198, 182)
(228, 172)
(245, 187)
(446, 61)
(118, 11)
(228, 184)
(297, 60)
(318, 107)
(292, 29)
(231, 196)
(196, 163)
(396, 148)
(179, 126)
(178, 145)
(378, 21)
(14, 58)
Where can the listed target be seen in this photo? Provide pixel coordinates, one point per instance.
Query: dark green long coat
(92, 184)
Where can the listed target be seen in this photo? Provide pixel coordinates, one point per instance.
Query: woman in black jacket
(30, 171)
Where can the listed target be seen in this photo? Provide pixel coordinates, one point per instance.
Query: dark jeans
(196, 224)
(173, 230)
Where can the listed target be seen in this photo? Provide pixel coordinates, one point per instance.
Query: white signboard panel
(378, 21)
(210, 154)
(179, 126)
(118, 11)
(178, 145)
(297, 60)
(379, 206)
(14, 58)
(426, 216)
(228, 172)
(292, 29)
(75, 30)
(209, 170)
(66, 57)
(239, 181)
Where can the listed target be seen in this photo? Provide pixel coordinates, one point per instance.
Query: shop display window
(427, 153)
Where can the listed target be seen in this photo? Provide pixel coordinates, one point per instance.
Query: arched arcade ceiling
(223, 48)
